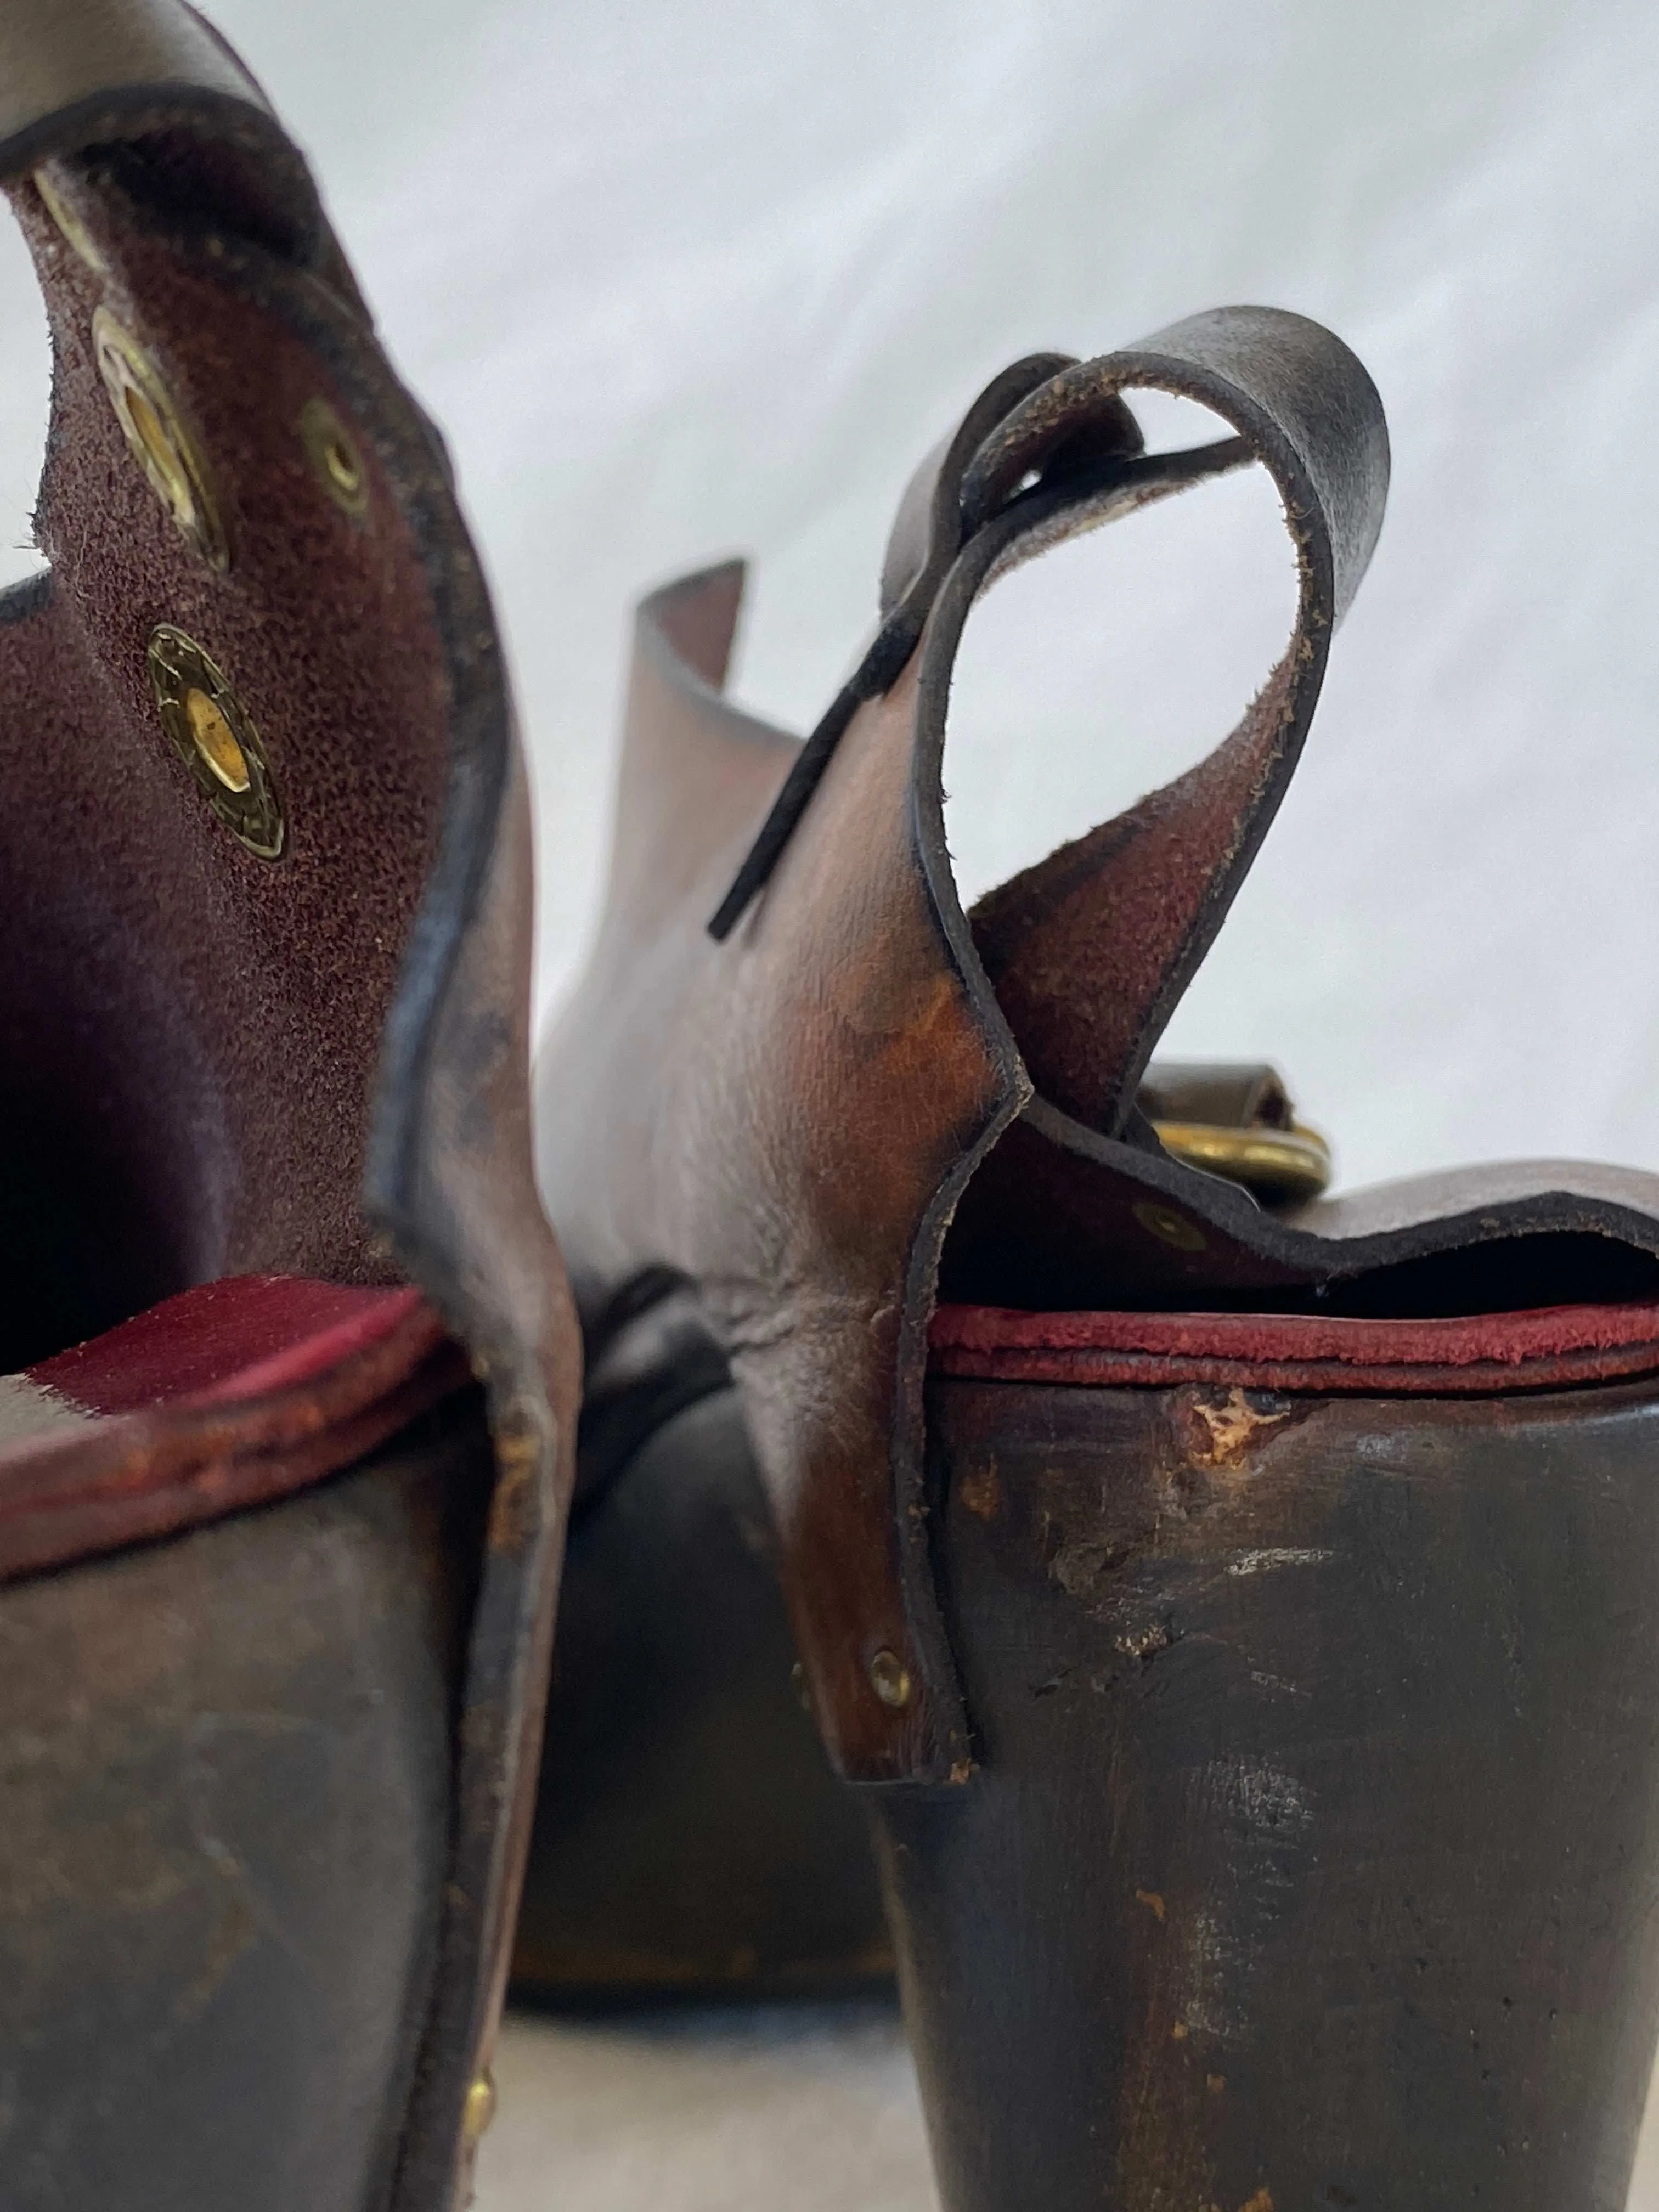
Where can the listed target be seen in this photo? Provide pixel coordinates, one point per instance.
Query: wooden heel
(1310, 1862)
(690, 1835)
(229, 1798)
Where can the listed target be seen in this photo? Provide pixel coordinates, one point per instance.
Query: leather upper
(222, 1062)
(790, 1134)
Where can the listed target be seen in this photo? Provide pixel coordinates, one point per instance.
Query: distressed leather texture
(219, 1066)
(230, 1806)
(788, 1138)
(1310, 1858)
(1259, 1603)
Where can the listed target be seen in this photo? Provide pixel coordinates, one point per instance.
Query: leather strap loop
(1090, 950)
(925, 538)
(932, 521)
(1298, 397)
(1049, 448)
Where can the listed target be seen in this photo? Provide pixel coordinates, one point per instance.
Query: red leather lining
(229, 1395)
(229, 1340)
(1549, 1347)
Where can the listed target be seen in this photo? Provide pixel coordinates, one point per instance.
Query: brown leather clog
(290, 1367)
(1239, 1619)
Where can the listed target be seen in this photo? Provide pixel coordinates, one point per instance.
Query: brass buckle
(1280, 1167)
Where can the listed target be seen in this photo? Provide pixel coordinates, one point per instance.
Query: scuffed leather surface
(228, 1794)
(859, 1100)
(673, 1062)
(1310, 1858)
(788, 1120)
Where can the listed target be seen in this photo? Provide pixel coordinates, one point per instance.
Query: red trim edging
(1538, 1349)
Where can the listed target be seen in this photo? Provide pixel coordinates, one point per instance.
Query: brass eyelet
(73, 231)
(1169, 1226)
(157, 438)
(213, 734)
(335, 456)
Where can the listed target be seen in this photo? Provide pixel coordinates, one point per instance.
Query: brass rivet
(73, 232)
(335, 456)
(891, 1678)
(1169, 1226)
(480, 2109)
(213, 734)
(157, 438)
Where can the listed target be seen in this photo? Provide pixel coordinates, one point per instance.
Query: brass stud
(479, 2110)
(74, 233)
(160, 445)
(1169, 1227)
(335, 456)
(891, 1678)
(213, 734)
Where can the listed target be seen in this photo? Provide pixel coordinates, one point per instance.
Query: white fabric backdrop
(679, 279)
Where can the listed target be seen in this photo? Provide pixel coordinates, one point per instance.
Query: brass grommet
(479, 2110)
(1169, 1227)
(73, 232)
(213, 734)
(335, 456)
(156, 435)
(891, 1678)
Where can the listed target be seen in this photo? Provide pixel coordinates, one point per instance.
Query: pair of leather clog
(1233, 1613)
